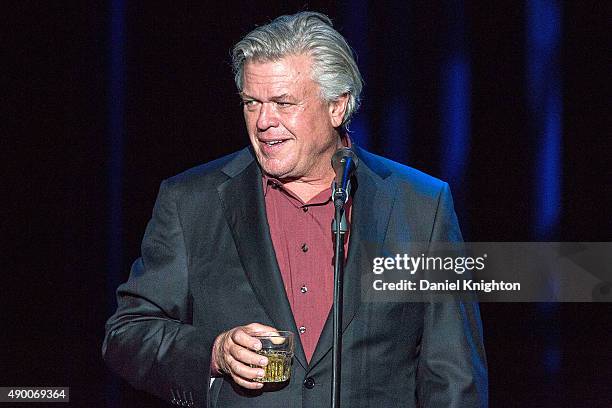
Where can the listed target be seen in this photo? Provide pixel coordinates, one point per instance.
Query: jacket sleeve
(150, 340)
(452, 369)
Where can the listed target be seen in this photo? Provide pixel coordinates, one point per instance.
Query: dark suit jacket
(208, 265)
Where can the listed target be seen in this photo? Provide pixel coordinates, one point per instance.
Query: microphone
(344, 162)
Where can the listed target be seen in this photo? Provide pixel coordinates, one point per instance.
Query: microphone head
(340, 158)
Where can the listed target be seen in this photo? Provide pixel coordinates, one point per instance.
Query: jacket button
(309, 383)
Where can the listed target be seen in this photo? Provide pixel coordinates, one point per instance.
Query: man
(244, 244)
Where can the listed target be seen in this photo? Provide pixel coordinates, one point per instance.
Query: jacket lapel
(243, 201)
(372, 205)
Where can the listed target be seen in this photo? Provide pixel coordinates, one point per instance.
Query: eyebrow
(284, 96)
(280, 97)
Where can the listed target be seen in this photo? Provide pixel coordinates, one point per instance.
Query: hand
(234, 350)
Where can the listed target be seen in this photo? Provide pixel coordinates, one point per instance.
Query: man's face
(290, 127)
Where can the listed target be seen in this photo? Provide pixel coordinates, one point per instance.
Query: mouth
(272, 145)
(273, 142)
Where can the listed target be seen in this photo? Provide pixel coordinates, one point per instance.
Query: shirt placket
(301, 283)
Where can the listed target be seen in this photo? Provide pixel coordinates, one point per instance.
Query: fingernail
(259, 385)
(263, 361)
(261, 373)
(257, 346)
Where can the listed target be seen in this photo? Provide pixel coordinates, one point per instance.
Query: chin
(279, 174)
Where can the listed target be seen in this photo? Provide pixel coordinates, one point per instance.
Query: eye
(249, 103)
(283, 104)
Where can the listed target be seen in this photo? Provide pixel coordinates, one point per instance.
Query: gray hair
(307, 32)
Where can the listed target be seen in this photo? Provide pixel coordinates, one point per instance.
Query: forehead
(291, 74)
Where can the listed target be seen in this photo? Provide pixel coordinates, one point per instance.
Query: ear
(337, 109)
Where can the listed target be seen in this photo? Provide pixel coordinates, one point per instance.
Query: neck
(307, 190)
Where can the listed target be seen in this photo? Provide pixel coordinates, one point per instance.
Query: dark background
(87, 138)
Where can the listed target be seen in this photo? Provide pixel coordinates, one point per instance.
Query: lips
(270, 146)
(272, 142)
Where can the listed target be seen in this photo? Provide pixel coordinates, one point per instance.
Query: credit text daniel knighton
(447, 285)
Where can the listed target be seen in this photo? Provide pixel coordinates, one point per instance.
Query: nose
(267, 117)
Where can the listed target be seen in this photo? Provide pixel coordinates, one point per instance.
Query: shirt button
(302, 329)
(304, 289)
(305, 209)
(304, 247)
(309, 383)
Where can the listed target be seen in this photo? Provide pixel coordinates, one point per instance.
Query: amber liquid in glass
(278, 368)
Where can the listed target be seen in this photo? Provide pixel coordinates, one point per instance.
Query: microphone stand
(339, 228)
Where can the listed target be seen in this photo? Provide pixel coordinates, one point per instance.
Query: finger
(255, 327)
(227, 345)
(241, 336)
(246, 356)
(244, 375)
(246, 372)
(251, 385)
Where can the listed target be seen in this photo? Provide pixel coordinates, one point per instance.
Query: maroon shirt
(303, 242)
